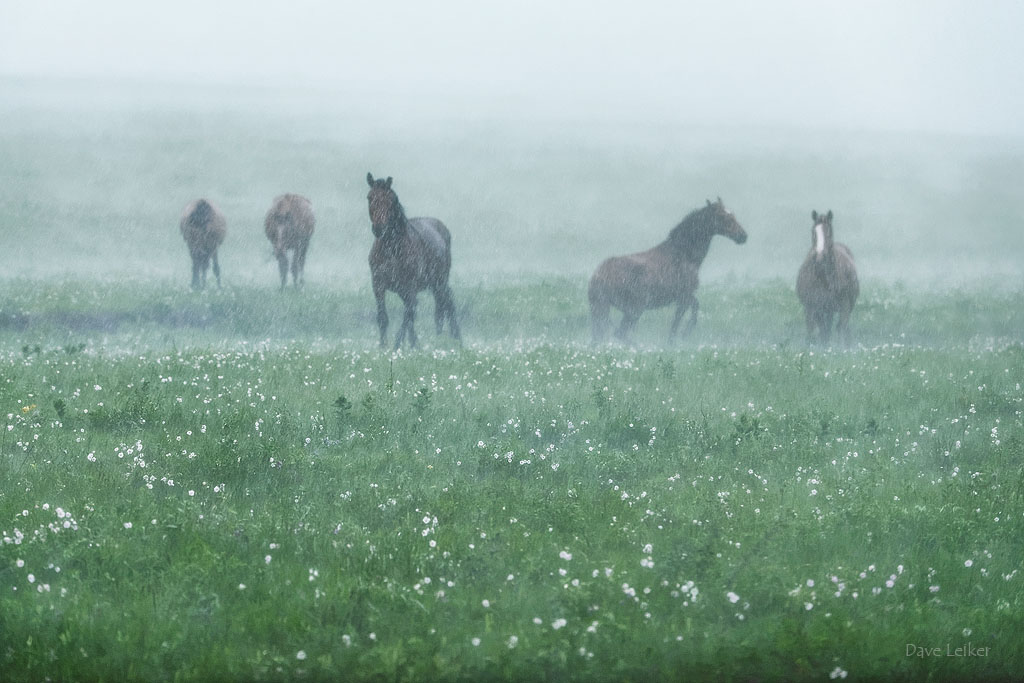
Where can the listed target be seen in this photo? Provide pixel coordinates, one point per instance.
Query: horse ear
(720, 202)
(369, 179)
(387, 183)
(828, 217)
(708, 201)
(814, 215)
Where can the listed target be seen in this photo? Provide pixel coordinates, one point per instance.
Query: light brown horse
(203, 228)
(827, 282)
(664, 275)
(289, 225)
(408, 256)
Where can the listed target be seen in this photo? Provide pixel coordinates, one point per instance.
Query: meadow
(237, 484)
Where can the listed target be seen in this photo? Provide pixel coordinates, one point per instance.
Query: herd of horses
(410, 255)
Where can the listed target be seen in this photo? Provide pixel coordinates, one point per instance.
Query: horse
(289, 225)
(408, 255)
(827, 282)
(203, 228)
(660, 276)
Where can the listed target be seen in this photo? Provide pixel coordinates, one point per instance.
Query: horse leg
(599, 311)
(439, 309)
(204, 267)
(216, 268)
(843, 327)
(629, 318)
(382, 314)
(692, 323)
(282, 266)
(444, 307)
(408, 322)
(195, 273)
(453, 324)
(812, 322)
(299, 264)
(825, 323)
(681, 308)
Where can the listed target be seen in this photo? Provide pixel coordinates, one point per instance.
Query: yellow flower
(27, 409)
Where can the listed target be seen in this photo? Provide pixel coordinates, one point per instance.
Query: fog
(547, 135)
(535, 131)
(937, 66)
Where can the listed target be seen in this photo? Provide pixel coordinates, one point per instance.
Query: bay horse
(408, 255)
(827, 283)
(658, 277)
(289, 225)
(203, 228)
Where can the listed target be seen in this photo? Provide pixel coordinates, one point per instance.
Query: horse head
(723, 222)
(385, 210)
(821, 235)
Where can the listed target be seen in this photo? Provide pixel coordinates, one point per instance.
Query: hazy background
(946, 65)
(547, 135)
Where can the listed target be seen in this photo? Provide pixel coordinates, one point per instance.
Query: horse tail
(203, 213)
(442, 230)
(846, 272)
(446, 235)
(302, 217)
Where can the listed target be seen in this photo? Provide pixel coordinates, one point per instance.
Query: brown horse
(289, 225)
(660, 276)
(408, 256)
(827, 282)
(203, 228)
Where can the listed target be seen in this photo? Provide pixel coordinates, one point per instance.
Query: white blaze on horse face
(819, 240)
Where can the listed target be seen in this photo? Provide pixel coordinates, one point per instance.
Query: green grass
(204, 486)
(237, 484)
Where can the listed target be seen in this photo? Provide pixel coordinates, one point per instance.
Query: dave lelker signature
(967, 649)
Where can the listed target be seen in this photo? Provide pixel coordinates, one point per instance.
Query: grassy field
(203, 486)
(237, 484)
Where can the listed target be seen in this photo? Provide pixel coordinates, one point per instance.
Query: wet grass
(262, 494)
(167, 314)
(237, 484)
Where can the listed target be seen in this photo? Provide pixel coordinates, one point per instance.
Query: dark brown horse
(408, 256)
(289, 225)
(827, 282)
(664, 275)
(203, 228)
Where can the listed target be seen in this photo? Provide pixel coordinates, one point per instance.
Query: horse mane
(689, 224)
(689, 238)
(400, 220)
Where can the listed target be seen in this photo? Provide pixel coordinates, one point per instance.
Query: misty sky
(946, 65)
